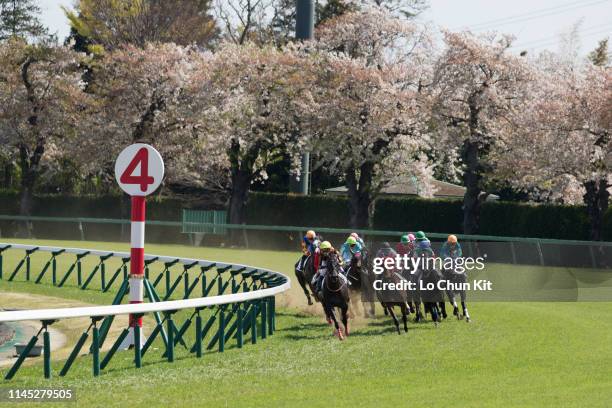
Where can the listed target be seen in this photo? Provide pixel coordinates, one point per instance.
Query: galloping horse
(304, 277)
(431, 298)
(458, 280)
(357, 276)
(336, 294)
(389, 299)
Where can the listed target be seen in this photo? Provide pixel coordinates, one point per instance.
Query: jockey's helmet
(355, 235)
(325, 246)
(405, 239)
(452, 239)
(351, 240)
(420, 236)
(310, 234)
(411, 237)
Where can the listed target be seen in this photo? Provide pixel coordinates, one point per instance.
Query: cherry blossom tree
(478, 88)
(42, 99)
(249, 114)
(140, 94)
(368, 131)
(562, 148)
(372, 105)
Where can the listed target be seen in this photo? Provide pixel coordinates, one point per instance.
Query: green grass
(512, 354)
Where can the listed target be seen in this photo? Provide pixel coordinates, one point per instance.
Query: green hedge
(401, 214)
(292, 209)
(413, 214)
(51, 205)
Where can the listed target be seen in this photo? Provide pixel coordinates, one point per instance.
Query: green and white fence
(506, 250)
(224, 302)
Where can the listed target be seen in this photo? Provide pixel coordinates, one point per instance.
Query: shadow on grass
(296, 315)
(380, 326)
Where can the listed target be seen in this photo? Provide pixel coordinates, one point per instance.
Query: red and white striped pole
(137, 254)
(139, 170)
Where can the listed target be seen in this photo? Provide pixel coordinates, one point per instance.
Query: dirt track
(64, 333)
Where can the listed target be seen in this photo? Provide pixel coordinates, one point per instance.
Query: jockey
(423, 246)
(310, 246)
(406, 245)
(364, 250)
(329, 256)
(350, 248)
(451, 248)
(358, 238)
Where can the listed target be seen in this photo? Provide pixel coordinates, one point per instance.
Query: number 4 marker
(144, 180)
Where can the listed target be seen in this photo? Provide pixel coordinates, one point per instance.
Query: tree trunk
(360, 196)
(241, 181)
(471, 181)
(7, 182)
(472, 149)
(241, 175)
(596, 200)
(28, 179)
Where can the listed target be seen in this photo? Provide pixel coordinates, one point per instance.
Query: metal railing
(238, 298)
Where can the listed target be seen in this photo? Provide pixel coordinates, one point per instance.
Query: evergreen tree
(599, 56)
(19, 18)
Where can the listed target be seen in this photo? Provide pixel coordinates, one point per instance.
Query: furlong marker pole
(139, 170)
(137, 255)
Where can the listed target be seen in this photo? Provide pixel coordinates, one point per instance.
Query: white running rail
(138, 308)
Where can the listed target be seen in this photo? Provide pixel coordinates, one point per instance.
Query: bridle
(335, 272)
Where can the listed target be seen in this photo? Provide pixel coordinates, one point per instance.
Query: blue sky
(536, 24)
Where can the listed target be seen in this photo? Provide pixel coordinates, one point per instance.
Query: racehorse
(304, 277)
(389, 299)
(458, 280)
(431, 298)
(357, 276)
(335, 293)
(414, 295)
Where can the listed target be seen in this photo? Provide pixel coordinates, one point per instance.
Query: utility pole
(304, 30)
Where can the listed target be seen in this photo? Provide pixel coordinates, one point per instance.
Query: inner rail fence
(498, 249)
(221, 302)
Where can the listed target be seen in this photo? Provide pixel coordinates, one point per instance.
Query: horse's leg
(395, 321)
(453, 301)
(405, 316)
(302, 281)
(464, 306)
(354, 305)
(418, 315)
(442, 306)
(333, 316)
(345, 319)
(434, 312)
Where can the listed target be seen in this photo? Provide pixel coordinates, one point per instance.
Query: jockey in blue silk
(310, 247)
(358, 238)
(423, 245)
(310, 242)
(349, 249)
(451, 248)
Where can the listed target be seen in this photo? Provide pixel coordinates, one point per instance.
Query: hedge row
(398, 214)
(90, 206)
(411, 214)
